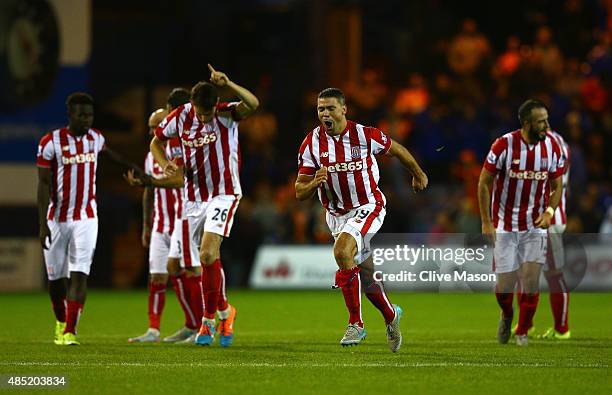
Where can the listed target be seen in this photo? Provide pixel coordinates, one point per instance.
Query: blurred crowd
(447, 112)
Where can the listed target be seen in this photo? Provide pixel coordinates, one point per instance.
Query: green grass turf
(287, 342)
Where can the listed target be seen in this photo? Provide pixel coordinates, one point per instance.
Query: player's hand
(320, 176)
(488, 231)
(419, 181)
(217, 78)
(44, 235)
(543, 221)
(170, 168)
(131, 178)
(146, 236)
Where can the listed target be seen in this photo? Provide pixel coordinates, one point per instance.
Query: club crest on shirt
(66, 148)
(516, 161)
(355, 152)
(324, 154)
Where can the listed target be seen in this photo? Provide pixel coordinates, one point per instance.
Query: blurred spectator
(468, 49)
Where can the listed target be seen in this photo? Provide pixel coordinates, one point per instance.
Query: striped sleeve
(497, 155)
(306, 162)
(557, 164)
(148, 164)
(379, 141)
(227, 110)
(46, 151)
(168, 128)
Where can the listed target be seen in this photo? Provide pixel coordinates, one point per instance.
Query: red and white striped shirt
(73, 161)
(560, 216)
(353, 175)
(211, 152)
(522, 171)
(167, 202)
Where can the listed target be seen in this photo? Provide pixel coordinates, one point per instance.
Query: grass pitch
(287, 342)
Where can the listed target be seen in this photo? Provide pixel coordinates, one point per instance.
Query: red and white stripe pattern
(211, 151)
(560, 213)
(167, 202)
(522, 173)
(73, 161)
(352, 168)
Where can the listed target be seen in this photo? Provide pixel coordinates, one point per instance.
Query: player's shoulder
(95, 133)
(226, 107)
(48, 136)
(503, 141)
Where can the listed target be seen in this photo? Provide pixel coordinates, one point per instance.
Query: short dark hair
(178, 97)
(333, 92)
(524, 112)
(78, 98)
(204, 94)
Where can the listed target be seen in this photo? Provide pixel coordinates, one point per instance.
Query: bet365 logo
(79, 158)
(207, 138)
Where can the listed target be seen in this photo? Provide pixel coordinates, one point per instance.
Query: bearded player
(518, 192)
(337, 161)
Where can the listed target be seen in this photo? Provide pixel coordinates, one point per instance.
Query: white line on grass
(308, 365)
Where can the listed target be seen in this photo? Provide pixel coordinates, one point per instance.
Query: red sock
(559, 302)
(178, 283)
(157, 301)
(222, 303)
(196, 300)
(211, 283)
(349, 281)
(505, 302)
(527, 308)
(59, 309)
(375, 292)
(74, 310)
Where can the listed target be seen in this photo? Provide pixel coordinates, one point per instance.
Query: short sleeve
(227, 112)
(497, 156)
(168, 128)
(46, 151)
(557, 166)
(101, 143)
(148, 164)
(379, 141)
(306, 162)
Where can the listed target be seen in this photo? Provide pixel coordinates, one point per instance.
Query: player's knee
(173, 266)
(159, 278)
(343, 256)
(208, 256)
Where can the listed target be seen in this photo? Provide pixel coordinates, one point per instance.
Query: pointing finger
(212, 69)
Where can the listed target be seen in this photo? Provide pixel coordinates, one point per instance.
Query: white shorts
(555, 258)
(362, 223)
(512, 249)
(175, 239)
(72, 247)
(159, 248)
(214, 216)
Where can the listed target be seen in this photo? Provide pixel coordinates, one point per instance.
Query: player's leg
(505, 266)
(192, 227)
(159, 248)
(558, 290)
(348, 280)
(532, 246)
(81, 250)
(56, 263)
(177, 277)
(219, 220)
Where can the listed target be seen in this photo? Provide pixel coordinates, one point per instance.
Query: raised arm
(248, 101)
(419, 178)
